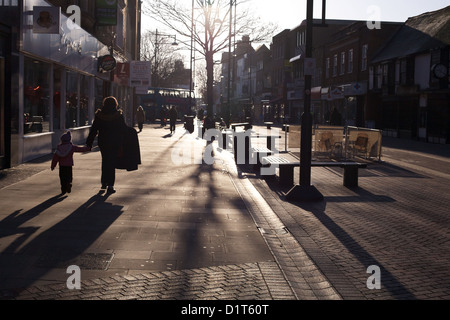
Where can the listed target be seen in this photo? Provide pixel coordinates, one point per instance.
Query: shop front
(4, 154)
(58, 84)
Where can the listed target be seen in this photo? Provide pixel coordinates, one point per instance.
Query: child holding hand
(64, 155)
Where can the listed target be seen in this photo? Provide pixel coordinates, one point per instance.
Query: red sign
(122, 74)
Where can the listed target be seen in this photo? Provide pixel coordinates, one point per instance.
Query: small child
(64, 155)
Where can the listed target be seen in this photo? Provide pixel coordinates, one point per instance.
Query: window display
(36, 96)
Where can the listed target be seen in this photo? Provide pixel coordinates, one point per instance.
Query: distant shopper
(64, 156)
(140, 117)
(173, 115)
(110, 126)
(335, 118)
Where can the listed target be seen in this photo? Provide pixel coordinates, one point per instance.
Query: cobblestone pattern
(251, 281)
(397, 219)
(307, 281)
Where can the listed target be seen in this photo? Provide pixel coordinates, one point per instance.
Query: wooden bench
(286, 169)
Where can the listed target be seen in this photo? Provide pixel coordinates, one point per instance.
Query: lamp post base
(304, 194)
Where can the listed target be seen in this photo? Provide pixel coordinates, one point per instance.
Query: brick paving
(197, 232)
(176, 225)
(397, 219)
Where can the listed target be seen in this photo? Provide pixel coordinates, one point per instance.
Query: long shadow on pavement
(60, 246)
(388, 280)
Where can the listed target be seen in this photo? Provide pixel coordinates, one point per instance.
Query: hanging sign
(106, 63)
(106, 12)
(46, 19)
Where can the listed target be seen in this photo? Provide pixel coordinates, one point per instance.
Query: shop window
(57, 98)
(99, 93)
(84, 101)
(36, 96)
(2, 108)
(71, 99)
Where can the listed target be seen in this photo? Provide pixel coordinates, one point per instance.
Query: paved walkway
(175, 229)
(397, 219)
(179, 228)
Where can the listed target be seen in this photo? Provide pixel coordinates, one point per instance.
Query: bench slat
(281, 160)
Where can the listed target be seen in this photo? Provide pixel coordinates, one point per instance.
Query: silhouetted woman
(110, 126)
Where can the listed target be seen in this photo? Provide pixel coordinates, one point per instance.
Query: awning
(295, 58)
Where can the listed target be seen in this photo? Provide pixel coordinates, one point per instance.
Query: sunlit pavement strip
(305, 278)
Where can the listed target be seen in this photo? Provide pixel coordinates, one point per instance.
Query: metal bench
(268, 124)
(246, 125)
(286, 169)
(259, 153)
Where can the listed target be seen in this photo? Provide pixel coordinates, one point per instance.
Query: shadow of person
(12, 224)
(59, 246)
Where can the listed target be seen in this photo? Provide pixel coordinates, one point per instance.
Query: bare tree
(201, 80)
(162, 55)
(210, 26)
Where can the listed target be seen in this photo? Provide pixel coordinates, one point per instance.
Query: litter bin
(189, 123)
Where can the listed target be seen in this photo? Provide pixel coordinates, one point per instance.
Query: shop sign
(140, 73)
(122, 74)
(310, 66)
(46, 19)
(355, 89)
(336, 93)
(106, 12)
(106, 63)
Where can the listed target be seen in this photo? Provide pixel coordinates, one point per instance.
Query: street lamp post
(156, 52)
(305, 192)
(228, 109)
(190, 61)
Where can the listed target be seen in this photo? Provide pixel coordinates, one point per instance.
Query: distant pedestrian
(140, 117)
(110, 126)
(64, 156)
(173, 115)
(163, 116)
(335, 118)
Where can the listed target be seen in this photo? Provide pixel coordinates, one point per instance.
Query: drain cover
(86, 261)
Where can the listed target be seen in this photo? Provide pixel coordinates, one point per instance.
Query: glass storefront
(84, 100)
(99, 93)
(2, 109)
(57, 98)
(36, 102)
(71, 99)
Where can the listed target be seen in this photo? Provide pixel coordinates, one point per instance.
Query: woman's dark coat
(115, 137)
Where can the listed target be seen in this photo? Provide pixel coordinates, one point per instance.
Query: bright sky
(290, 13)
